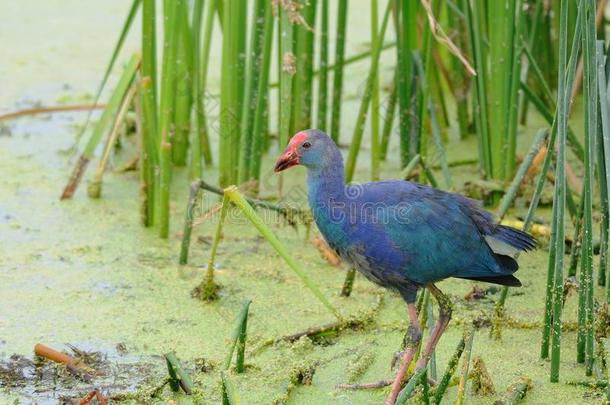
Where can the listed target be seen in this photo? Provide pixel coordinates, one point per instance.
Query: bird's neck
(327, 200)
(326, 182)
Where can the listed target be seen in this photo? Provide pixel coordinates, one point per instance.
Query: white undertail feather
(501, 248)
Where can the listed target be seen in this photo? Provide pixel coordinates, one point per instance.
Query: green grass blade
(238, 338)
(258, 223)
(112, 108)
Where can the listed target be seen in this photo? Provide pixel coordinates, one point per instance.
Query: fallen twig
(48, 110)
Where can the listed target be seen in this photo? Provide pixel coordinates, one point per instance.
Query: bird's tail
(505, 243)
(520, 240)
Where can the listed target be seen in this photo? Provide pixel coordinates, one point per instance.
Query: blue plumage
(403, 235)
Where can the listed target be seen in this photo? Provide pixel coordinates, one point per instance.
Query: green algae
(85, 272)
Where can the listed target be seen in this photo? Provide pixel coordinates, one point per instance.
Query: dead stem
(48, 110)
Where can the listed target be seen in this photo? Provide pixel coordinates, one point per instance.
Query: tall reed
(323, 71)
(405, 22)
(335, 123)
(557, 249)
(375, 101)
(590, 91)
(171, 28)
(350, 163)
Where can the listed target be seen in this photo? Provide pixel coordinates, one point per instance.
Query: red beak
(289, 158)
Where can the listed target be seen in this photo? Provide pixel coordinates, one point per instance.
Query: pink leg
(444, 316)
(414, 336)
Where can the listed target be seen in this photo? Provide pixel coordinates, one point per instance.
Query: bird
(404, 236)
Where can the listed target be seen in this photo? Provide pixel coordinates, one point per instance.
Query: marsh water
(85, 273)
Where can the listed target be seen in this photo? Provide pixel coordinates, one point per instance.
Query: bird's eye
(306, 145)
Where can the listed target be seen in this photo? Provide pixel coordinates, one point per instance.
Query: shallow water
(85, 272)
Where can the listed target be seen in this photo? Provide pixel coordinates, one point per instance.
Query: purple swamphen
(404, 236)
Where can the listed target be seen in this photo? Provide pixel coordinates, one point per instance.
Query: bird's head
(310, 148)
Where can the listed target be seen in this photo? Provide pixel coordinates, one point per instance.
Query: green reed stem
(178, 376)
(166, 111)
(208, 288)
(513, 188)
(148, 151)
(405, 14)
(436, 131)
(229, 103)
(460, 79)
(303, 78)
(112, 108)
(603, 165)
(350, 164)
(235, 196)
(480, 102)
(257, 27)
(94, 188)
(406, 172)
(194, 190)
(407, 391)
(429, 175)
(202, 74)
(149, 59)
(238, 339)
(390, 109)
(287, 70)
(502, 209)
(348, 283)
(258, 131)
(500, 17)
(323, 70)
(183, 101)
(449, 371)
(557, 250)
(335, 122)
(196, 95)
(576, 248)
(465, 365)
(585, 339)
(374, 101)
(229, 393)
(430, 327)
